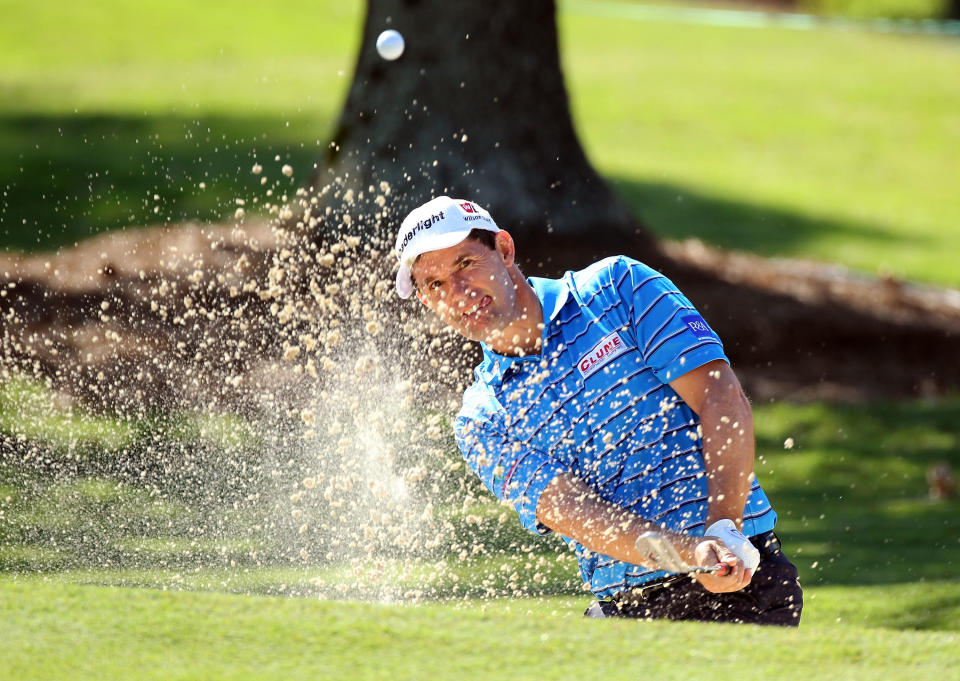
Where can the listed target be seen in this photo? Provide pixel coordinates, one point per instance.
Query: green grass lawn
(872, 549)
(54, 631)
(851, 494)
(830, 145)
(836, 146)
(115, 578)
(121, 114)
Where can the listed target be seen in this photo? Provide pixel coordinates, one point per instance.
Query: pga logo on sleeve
(699, 327)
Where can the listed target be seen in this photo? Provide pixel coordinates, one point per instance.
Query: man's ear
(505, 247)
(420, 297)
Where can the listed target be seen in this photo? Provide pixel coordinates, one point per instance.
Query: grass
(111, 577)
(814, 144)
(116, 114)
(847, 524)
(829, 145)
(910, 9)
(86, 632)
(135, 502)
(853, 493)
(29, 411)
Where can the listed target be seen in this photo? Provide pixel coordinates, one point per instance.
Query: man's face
(469, 287)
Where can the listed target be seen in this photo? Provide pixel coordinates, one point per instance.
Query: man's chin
(475, 334)
(476, 331)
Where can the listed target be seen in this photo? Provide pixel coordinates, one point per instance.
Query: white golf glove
(736, 542)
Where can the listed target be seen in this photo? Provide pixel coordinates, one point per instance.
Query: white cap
(440, 223)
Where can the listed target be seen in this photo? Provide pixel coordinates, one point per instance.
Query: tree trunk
(476, 108)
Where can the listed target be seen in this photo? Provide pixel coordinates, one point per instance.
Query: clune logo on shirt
(608, 348)
(699, 327)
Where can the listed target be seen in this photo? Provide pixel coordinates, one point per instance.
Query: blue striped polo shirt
(597, 402)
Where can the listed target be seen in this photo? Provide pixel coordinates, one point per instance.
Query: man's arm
(572, 508)
(714, 393)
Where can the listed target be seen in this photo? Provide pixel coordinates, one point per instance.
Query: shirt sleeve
(671, 335)
(513, 473)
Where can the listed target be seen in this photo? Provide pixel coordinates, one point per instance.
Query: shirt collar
(552, 294)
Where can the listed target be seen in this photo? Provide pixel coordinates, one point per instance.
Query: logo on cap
(419, 227)
(468, 207)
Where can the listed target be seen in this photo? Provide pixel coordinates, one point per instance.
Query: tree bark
(476, 108)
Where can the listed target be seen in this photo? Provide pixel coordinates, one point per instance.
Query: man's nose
(460, 293)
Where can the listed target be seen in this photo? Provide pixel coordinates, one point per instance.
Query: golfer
(604, 408)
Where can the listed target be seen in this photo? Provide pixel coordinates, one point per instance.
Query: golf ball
(390, 44)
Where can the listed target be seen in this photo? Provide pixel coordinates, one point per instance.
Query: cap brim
(404, 282)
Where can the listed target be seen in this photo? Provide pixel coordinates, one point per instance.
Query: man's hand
(710, 551)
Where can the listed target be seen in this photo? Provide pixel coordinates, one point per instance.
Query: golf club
(664, 555)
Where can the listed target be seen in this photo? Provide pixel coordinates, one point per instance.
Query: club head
(664, 556)
(661, 552)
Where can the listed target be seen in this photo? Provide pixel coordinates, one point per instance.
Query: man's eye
(433, 285)
(464, 263)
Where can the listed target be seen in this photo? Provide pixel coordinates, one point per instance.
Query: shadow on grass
(67, 177)
(677, 212)
(927, 614)
(853, 496)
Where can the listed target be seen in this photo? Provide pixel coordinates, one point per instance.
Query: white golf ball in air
(390, 44)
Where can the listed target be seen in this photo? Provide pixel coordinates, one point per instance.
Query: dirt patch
(140, 319)
(163, 317)
(805, 330)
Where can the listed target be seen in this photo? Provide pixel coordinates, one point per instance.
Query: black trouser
(773, 596)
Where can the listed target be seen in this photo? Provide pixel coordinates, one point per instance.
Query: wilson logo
(611, 346)
(467, 207)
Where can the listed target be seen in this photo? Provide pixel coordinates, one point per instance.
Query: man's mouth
(482, 304)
